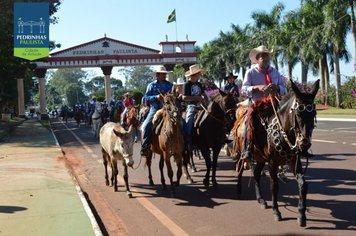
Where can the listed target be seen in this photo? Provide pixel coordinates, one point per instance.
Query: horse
(168, 141)
(115, 113)
(96, 119)
(132, 119)
(105, 115)
(209, 131)
(282, 133)
(78, 116)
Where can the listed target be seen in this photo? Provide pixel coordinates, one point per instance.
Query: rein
(209, 113)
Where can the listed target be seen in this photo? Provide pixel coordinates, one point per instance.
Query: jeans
(147, 128)
(189, 119)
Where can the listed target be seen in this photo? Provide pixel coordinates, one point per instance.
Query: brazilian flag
(172, 16)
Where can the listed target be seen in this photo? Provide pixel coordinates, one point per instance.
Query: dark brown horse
(282, 132)
(168, 141)
(209, 131)
(78, 116)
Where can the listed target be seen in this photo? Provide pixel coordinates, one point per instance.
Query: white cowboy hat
(194, 69)
(261, 49)
(161, 70)
(180, 81)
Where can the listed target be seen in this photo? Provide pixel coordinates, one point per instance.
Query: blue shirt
(154, 89)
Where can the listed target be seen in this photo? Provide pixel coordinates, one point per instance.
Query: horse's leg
(206, 154)
(215, 163)
(303, 190)
(148, 164)
(105, 162)
(115, 172)
(192, 164)
(257, 175)
(240, 170)
(167, 160)
(126, 178)
(161, 165)
(274, 189)
(186, 157)
(179, 168)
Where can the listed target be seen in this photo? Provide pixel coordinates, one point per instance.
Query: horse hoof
(107, 183)
(206, 182)
(302, 222)
(151, 183)
(129, 194)
(115, 190)
(194, 170)
(215, 183)
(263, 205)
(277, 217)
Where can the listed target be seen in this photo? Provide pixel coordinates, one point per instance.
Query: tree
(137, 78)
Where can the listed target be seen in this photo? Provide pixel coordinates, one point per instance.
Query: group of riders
(194, 94)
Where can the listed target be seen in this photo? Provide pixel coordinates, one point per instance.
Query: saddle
(157, 121)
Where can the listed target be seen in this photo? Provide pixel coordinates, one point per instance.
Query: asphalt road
(216, 211)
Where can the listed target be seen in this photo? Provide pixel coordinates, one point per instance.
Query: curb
(82, 198)
(336, 119)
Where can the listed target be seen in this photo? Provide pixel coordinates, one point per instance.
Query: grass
(337, 112)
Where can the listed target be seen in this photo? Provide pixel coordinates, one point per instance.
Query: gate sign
(31, 30)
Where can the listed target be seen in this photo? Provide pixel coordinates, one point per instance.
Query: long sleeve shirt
(254, 77)
(154, 89)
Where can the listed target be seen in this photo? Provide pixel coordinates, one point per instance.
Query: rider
(128, 102)
(231, 86)
(193, 94)
(260, 81)
(153, 95)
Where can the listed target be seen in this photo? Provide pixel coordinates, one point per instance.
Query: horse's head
(132, 117)
(304, 114)
(170, 104)
(227, 103)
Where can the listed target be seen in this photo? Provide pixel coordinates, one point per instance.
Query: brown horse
(78, 116)
(132, 117)
(282, 133)
(168, 141)
(209, 131)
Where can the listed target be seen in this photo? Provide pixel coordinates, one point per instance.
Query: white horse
(96, 119)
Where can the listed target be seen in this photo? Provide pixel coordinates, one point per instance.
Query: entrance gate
(107, 53)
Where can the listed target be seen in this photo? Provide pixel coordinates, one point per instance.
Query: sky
(144, 22)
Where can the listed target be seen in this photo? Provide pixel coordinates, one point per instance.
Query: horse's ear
(295, 89)
(315, 88)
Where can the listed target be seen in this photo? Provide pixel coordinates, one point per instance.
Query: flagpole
(176, 31)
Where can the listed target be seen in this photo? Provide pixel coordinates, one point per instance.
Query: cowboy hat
(180, 81)
(161, 70)
(126, 94)
(261, 49)
(193, 70)
(230, 75)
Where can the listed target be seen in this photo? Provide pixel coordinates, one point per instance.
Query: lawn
(336, 112)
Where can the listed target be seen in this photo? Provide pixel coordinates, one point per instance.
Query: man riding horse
(153, 95)
(260, 81)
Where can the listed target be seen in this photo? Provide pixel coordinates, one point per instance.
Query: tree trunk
(327, 80)
(322, 81)
(290, 71)
(337, 77)
(353, 29)
(304, 73)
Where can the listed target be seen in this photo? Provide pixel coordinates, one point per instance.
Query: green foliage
(348, 93)
(137, 78)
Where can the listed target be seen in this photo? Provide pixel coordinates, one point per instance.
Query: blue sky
(144, 22)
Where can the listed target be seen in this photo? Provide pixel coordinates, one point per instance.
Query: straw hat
(127, 94)
(194, 69)
(261, 49)
(161, 70)
(180, 81)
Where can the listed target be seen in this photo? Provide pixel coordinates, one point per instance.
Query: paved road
(216, 211)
